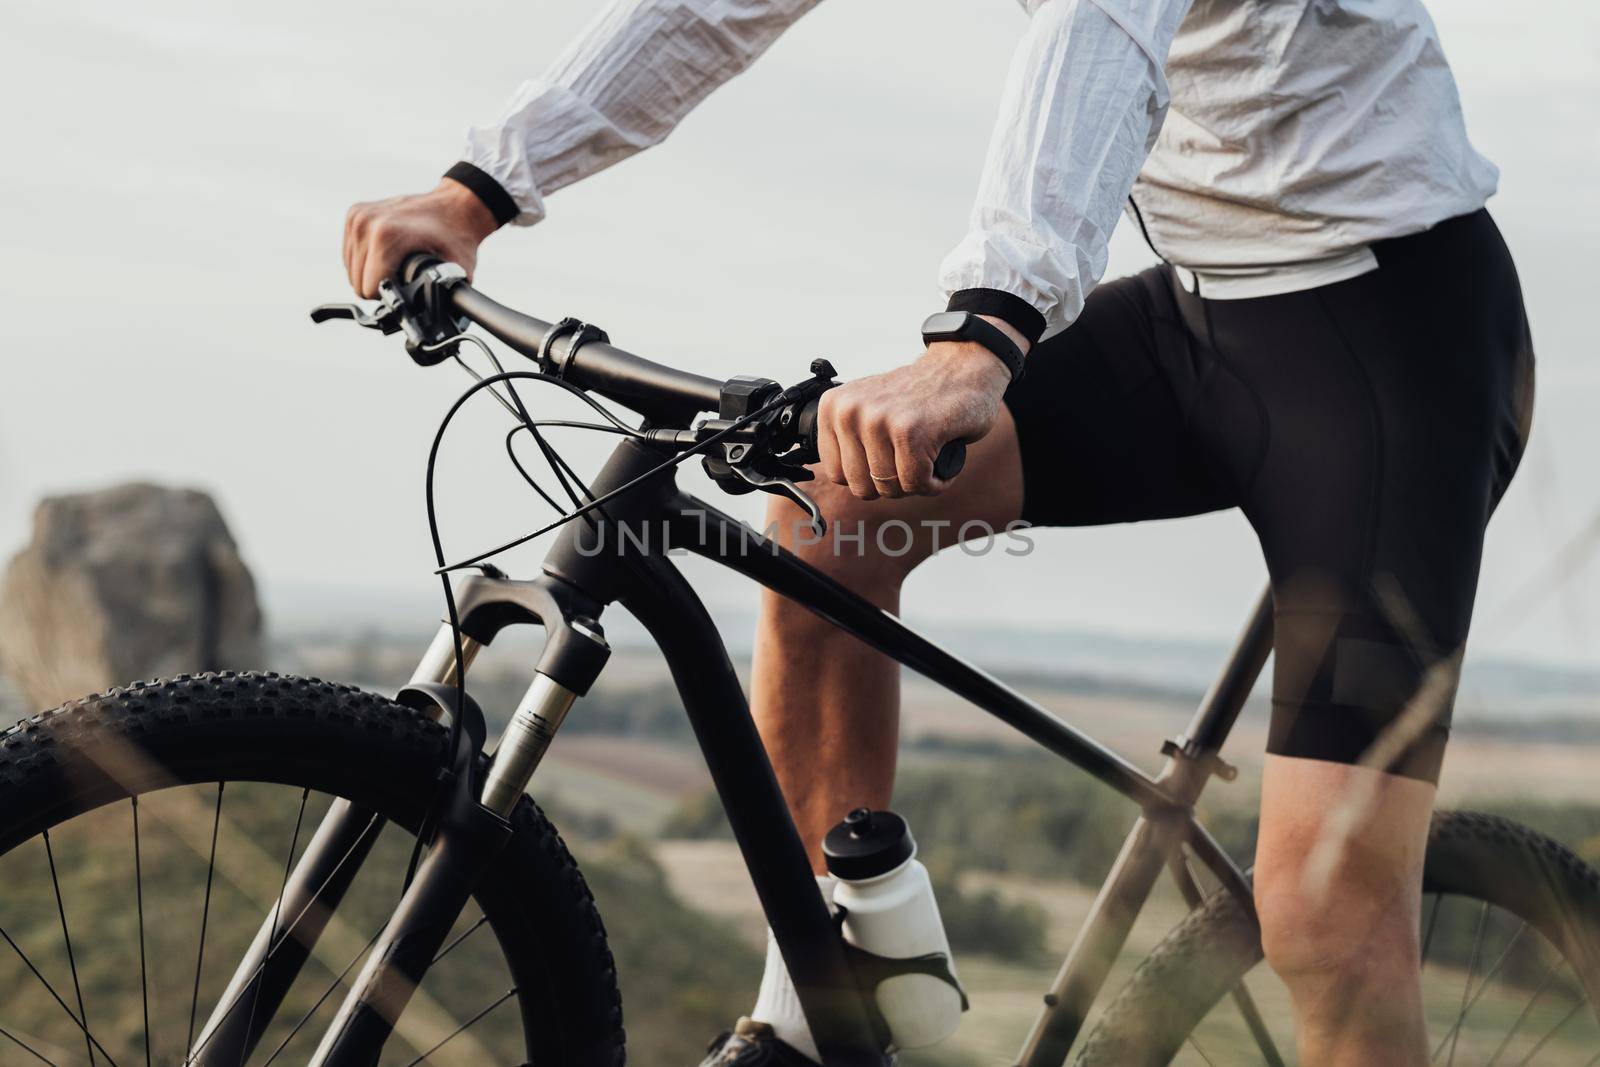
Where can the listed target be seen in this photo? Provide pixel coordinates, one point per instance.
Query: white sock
(777, 1003)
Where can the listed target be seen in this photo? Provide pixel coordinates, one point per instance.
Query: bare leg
(1339, 911)
(828, 707)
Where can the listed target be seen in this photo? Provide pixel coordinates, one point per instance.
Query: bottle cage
(872, 970)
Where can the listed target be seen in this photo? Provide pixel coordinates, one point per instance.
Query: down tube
(660, 598)
(702, 529)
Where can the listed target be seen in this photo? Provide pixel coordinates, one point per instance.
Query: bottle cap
(867, 844)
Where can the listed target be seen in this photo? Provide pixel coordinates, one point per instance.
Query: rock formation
(137, 581)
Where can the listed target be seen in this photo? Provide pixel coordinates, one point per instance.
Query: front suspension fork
(471, 828)
(311, 895)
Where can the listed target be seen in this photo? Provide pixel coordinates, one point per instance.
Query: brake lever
(782, 485)
(394, 315)
(762, 457)
(389, 316)
(354, 312)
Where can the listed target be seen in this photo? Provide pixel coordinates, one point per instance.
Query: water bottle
(890, 914)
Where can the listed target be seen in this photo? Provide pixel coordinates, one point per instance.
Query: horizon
(1178, 661)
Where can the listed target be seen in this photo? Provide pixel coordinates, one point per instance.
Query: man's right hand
(449, 222)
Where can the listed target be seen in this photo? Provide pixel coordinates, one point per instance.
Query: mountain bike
(422, 838)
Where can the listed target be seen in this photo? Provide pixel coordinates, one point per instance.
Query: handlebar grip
(950, 460)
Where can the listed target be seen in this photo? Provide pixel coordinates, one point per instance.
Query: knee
(1301, 932)
(1334, 924)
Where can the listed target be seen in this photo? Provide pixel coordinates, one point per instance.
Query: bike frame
(621, 556)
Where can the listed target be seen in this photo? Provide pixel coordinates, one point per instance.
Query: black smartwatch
(965, 326)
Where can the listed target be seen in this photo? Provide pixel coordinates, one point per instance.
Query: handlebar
(658, 392)
(661, 393)
(434, 302)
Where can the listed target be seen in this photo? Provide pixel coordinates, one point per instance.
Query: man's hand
(449, 222)
(880, 435)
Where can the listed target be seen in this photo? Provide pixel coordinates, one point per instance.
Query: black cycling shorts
(1366, 429)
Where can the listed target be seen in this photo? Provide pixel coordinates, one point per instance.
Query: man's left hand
(880, 435)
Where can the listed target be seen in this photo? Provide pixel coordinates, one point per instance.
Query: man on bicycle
(1335, 344)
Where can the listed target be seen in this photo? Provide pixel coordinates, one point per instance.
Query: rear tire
(1480, 857)
(335, 740)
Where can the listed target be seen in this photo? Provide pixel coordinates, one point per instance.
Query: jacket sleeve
(1083, 102)
(631, 77)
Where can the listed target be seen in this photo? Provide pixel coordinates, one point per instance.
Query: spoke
(1488, 975)
(29, 1049)
(1593, 1060)
(277, 911)
(1544, 983)
(468, 932)
(1534, 1051)
(326, 993)
(1257, 1025)
(48, 988)
(72, 962)
(1201, 1051)
(507, 995)
(1433, 920)
(1472, 967)
(205, 915)
(288, 932)
(138, 896)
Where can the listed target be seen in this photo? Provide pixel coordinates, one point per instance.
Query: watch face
(944, 325)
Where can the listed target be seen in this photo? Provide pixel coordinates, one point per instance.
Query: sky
(175, 182)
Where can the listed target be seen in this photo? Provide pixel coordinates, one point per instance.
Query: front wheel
(1510, 953)
(146, 833)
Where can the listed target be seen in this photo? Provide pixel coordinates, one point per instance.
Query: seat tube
(1101, 937)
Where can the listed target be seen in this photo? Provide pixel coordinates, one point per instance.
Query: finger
(883, 468)
(828, 443)
(344, 243)
(354, 235)
(358, 269)
(853, 458)
(376, 267)
(915, 467)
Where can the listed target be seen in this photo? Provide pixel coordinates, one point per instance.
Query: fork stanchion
(528, 735)
(438, 663)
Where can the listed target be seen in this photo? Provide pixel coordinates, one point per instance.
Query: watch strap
(965, 326)
(1009, 308)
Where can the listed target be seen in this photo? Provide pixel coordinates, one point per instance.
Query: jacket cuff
(485, 188)
(1008, 308)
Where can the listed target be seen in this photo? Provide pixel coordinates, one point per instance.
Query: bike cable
(559, 467)
(788, 396)
(525, 423)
